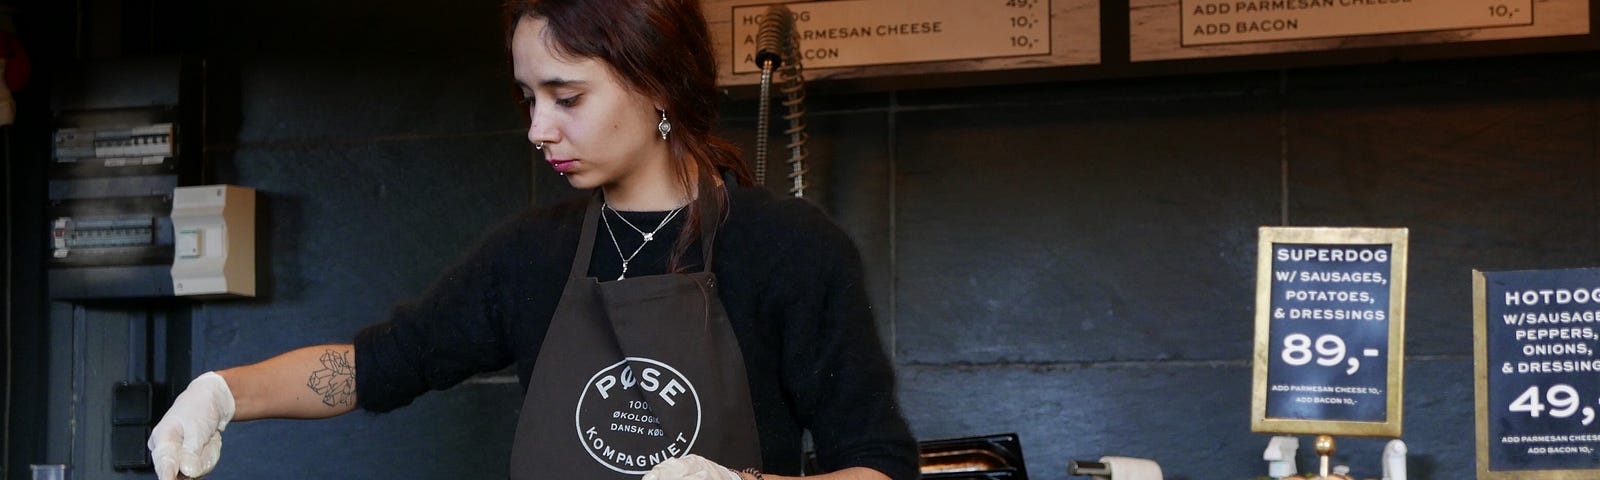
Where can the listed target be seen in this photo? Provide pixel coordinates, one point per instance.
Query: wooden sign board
(884, 38)
(1185, 29)
(1330, 331)
(1537, 366)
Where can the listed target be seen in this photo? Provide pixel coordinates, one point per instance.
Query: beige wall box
(214, 238)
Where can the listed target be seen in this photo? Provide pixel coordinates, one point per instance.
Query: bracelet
(753, 471)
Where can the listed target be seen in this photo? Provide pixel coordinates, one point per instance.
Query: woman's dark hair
(662, 50)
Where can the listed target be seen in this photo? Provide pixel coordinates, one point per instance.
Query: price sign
(890, 42)
(1187, 29)
(1222, 21)
(1537, 333)
(1329, 331)
(877, 32)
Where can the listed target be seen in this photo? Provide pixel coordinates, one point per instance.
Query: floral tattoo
(336, 381)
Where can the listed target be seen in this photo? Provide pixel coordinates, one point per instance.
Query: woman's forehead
(536, 59)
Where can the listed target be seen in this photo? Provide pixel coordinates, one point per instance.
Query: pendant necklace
(648, 236)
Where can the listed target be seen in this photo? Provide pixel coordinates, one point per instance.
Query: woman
(674, 325)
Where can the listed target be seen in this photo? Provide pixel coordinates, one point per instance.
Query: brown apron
(634, 372)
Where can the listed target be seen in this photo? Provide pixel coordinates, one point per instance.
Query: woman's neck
(662, 192)
(630, 201)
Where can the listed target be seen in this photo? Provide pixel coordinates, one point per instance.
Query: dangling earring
(664, 127)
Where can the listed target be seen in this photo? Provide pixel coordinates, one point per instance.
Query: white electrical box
(214, 237)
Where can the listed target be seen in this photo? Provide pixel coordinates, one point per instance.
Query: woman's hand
(189, 437)
(690, 467)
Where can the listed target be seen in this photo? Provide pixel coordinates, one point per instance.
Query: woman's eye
(568, 101)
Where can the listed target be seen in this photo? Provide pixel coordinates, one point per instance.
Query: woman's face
(594, 129)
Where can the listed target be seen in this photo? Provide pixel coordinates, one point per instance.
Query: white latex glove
(690, 467)
(189, 437)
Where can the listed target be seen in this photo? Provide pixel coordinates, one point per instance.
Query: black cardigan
(791, 282)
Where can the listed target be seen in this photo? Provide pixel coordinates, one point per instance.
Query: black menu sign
(1537, 333)
(1329, 331)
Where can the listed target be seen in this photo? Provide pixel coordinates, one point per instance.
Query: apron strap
(591, 221)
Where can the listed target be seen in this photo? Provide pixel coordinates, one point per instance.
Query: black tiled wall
(1075, 262)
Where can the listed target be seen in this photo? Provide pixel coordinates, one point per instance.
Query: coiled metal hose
(778, 48)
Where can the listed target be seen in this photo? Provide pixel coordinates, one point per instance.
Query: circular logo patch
(620, 411)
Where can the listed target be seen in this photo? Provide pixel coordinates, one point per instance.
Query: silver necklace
(651, 235)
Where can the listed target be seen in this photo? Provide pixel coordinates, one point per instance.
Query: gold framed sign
(1330, 331)
(1536, 334)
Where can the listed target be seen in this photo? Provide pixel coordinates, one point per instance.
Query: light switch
(187, 243)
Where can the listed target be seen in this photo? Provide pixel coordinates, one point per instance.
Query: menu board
(877, 32)
(1180, 29)
(1225, 21)
(1536, 336)
(846, 39)
(1330, 307)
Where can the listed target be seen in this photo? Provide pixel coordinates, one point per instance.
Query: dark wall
(1491, 164)
(382, 141)
(1073, 262)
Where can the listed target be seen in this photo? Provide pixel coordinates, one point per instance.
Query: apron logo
(620, 411)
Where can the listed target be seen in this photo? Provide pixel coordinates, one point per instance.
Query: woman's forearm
(310, 382)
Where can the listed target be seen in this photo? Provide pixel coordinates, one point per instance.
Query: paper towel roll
(1129, 468)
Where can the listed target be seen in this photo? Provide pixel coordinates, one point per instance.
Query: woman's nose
(540, 130)
(534, 135)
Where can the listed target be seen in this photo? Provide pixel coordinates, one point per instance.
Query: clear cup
(49, 472)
